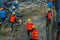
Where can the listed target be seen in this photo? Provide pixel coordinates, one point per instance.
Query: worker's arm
(33, 26)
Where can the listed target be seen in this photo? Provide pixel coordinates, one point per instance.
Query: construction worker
(34, 35)
(12, 20)
(19, 22)
(29, 26)
(2, 14)
(49, 15)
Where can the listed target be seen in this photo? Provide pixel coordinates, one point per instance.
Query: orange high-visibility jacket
(49, 15)
(12, 19)
(35, 34)
(29, 26)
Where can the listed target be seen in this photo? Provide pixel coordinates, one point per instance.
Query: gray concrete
(38, 18)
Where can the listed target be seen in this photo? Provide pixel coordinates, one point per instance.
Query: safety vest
(29, 26)
(12, 19)
(49, 15)
(35, 34)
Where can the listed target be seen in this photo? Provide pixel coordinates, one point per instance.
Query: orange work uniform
(49, 15)
(29, 26)
(12, 19)
(35, 34)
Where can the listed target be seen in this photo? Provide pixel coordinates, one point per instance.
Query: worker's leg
(33, 39)
(15, 26)
(49, 21)
(28, 33)
(3, 19)
(12, 27)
